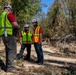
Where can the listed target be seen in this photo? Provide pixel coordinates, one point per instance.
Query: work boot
(40, 63)
(11, 70)
(37, 61)
(18, 56)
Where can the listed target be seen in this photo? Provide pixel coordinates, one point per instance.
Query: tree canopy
(59, 21)
(24, 10)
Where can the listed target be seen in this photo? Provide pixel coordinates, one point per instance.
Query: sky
(48, 3)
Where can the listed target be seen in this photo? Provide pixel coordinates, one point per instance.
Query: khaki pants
(10, 48)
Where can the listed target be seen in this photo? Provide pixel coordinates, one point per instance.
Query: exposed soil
(50, 67)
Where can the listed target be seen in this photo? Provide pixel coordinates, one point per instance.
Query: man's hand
(16, 32)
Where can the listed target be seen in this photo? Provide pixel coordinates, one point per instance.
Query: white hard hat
(26, 25)
(8, 6)
(34, 20)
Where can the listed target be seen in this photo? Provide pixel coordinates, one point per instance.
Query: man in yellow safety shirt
(25, 40)
(7, 23)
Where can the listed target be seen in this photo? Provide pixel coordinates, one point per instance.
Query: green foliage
(2, 3)
(72, 15)
(52, 14)
(1, 6)
(60, 20)
(25, 9)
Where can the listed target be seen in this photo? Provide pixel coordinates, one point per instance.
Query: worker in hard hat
(25, 40)
(7, 23)
(37, 40)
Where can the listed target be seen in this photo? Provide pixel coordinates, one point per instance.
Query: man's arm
(15, 25)
(20, 41)
(20, 38)
(40, 35)
(13, 21)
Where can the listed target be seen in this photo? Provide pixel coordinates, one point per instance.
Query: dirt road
(49, 60)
